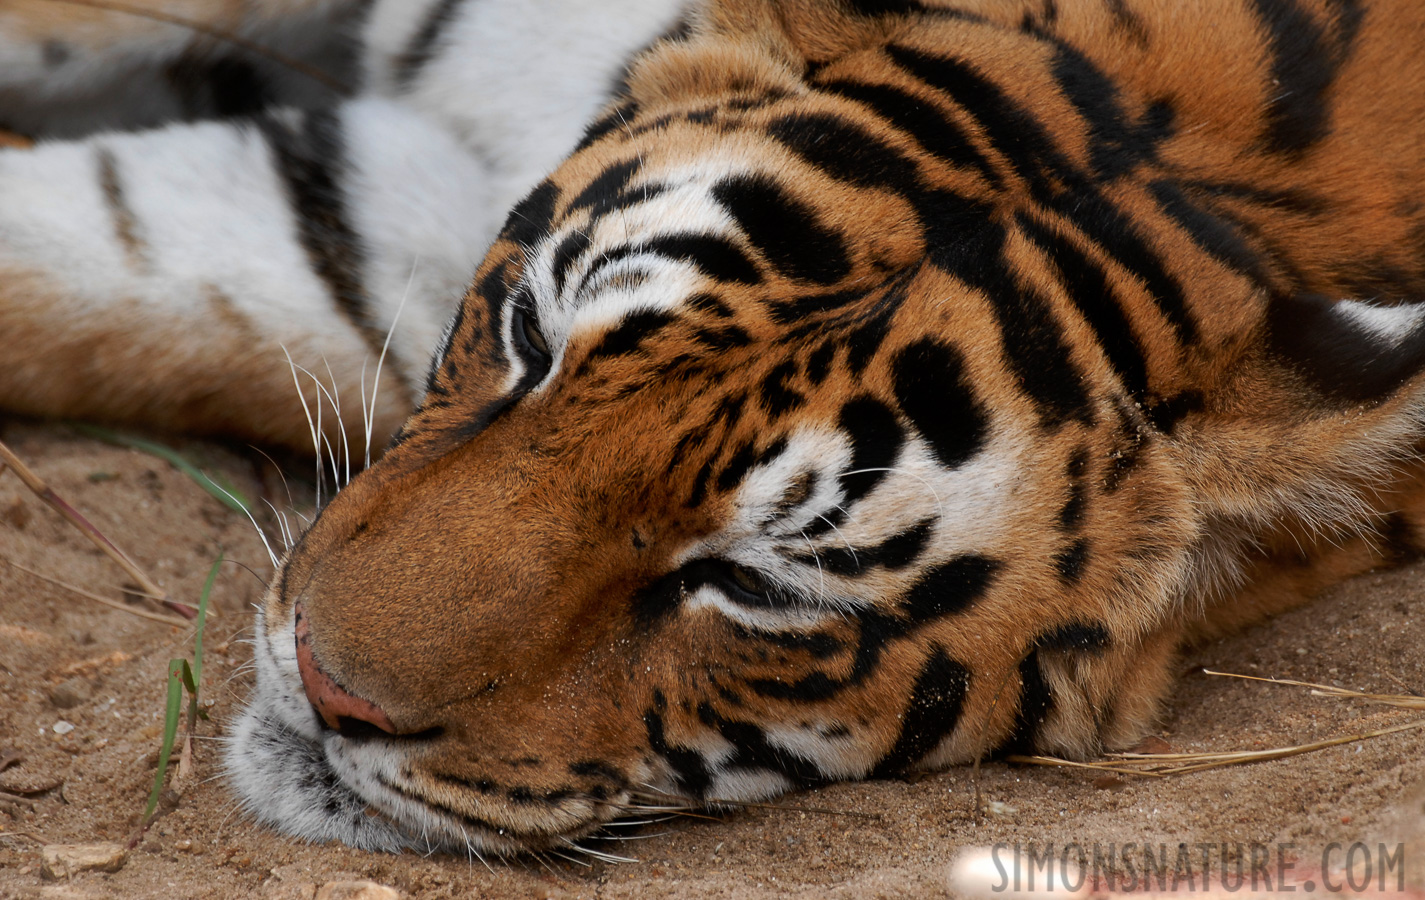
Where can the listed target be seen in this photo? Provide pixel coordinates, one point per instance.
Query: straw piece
(113, 604)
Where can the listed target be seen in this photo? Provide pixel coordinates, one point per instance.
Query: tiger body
(875, 387)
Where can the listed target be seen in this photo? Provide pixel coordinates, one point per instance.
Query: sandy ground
(91, 783)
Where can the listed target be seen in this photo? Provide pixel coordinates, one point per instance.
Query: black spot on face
(934, 391)
(715, 257)
(876, 440)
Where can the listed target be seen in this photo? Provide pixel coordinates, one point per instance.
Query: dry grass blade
(40, 489)
(1074, 764)
(1159, 764)
(1403, 701)
(113, 604)
(281, 59)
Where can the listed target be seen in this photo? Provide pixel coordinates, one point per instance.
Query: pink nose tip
(329, 699)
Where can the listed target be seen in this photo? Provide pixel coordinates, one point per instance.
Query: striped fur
(877, 386)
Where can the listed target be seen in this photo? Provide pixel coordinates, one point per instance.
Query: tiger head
(767, 449)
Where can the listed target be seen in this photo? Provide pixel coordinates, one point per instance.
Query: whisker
(599, 854)
(311, 426)
(626, 837)
(380, 360)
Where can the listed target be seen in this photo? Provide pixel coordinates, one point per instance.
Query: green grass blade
(176, 669)
(223, 492)
(202, 619)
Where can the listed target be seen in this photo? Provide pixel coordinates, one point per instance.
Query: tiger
(876, 386)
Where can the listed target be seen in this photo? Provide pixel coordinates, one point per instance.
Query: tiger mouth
(296, 775)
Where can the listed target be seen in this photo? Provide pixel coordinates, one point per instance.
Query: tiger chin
(877, 387)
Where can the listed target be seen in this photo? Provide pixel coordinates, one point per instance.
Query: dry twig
(113, 604)
(38, 487)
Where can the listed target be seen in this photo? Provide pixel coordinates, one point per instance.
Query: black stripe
(1215, 235)
(1128, 22)
(1116, 144)
(936, 702)
(880, 8)
(531, 217)
(921, 120)
(616, 118)
(895, 552)
(566, 255)
(121, 216)
(1010, 130)
(778, 396)
(1071, 515)
(688, 767)
(737, 466)
(846, 152)
(1076, 637)
(1071, 561)
(421, 48)
(1089, 289)
(1052, 179)
(312, 161)
(949, 588)
(630, 334)
(1036, 699)
(785, 312)
(1304, 66)
(934, 391)
(1033, 340)
(716, 257)
(1106, 225)
(603, 191)
(755, 753)
(785, 230)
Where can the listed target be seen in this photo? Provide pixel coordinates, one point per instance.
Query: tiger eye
(748, 581)
(532, 334)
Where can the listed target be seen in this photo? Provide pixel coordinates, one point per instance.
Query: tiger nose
(340, 710)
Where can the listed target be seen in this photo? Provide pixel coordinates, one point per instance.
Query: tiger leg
(166, 278)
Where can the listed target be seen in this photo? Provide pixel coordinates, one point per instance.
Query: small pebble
(71, 693)
(63, 727)
(356, 890)
(60, 861)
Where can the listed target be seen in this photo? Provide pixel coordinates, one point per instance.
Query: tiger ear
(754, 46)
(1351, 352)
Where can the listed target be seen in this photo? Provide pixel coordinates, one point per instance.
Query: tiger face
(800, 427)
